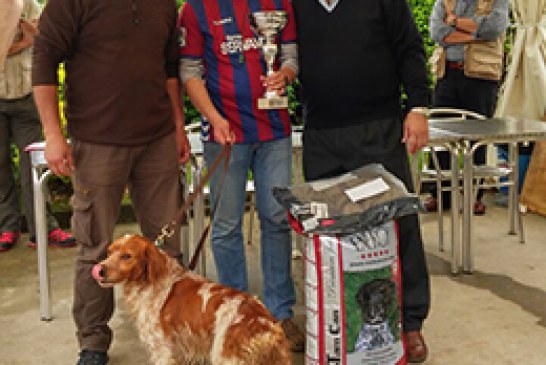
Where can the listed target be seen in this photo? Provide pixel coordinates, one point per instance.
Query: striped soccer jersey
(219, 33)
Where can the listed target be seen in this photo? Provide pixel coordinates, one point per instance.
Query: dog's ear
(389, 290)
(155, 263)
(360, 295)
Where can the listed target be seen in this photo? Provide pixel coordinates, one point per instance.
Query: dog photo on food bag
(377, 308)
(375, 298)
(184, 318)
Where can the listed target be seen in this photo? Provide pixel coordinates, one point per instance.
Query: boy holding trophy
(236, 60)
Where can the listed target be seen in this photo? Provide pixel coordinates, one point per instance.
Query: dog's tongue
(95, 273)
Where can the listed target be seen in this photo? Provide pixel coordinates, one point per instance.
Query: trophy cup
(268, 24)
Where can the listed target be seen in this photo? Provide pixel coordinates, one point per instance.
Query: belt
(455, 65)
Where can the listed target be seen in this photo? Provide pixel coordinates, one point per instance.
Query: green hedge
(421, 12)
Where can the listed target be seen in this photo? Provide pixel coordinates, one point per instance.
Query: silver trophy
(268, 24)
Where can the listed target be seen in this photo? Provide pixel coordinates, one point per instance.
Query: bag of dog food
(352, 270)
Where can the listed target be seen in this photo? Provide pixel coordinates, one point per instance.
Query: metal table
(450, 142)
(473, 135)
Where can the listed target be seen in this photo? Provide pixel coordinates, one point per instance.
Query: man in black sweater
(355, 59)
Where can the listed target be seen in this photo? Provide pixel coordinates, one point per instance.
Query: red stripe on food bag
(342, 301)
(318, 258)
(295, 224)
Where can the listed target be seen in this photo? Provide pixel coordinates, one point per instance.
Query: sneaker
(8, 240)
(57, 237)
(294, 335)
(479, 208)
(91, 357)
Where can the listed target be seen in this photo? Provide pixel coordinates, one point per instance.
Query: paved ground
(497, 316)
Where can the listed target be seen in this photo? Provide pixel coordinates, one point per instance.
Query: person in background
(126, 126)
(222, 70)
(468, 64)
(20, 125)
(355, 58)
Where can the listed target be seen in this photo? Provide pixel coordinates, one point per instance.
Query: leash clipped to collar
(168, 230)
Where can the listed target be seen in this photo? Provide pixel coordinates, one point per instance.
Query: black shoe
(91, 357)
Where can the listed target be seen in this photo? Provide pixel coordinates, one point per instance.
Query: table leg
(513, 189)
(455, 221)
(468, 211)
(38, 181)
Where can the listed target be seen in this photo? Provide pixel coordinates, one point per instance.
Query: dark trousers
(20, 125)
(456, 90)
(100, 178)
(331, 152)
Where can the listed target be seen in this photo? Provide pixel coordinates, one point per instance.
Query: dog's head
(374, 299)
(130, 259)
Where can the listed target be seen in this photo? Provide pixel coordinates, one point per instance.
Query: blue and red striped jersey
(219, 33)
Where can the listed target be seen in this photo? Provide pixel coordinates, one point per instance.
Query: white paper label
(366, 190)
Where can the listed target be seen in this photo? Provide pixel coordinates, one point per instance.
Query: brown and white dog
(184, 318)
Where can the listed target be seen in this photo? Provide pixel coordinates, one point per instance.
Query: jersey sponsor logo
(235, 43)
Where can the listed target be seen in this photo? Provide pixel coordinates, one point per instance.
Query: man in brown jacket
(125, 122)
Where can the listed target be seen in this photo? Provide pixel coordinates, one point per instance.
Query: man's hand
(183, 148)
(58, 155)
(222, 132)
(415, 131)
(278, 81)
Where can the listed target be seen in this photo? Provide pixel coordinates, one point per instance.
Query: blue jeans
(271, 165)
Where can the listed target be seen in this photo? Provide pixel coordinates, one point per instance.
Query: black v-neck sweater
(355, 59)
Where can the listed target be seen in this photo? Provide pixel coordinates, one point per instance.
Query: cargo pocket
(82, 217)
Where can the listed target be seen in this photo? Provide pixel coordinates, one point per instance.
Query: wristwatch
(421, 110)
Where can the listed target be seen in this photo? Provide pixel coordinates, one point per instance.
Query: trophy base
(277, 102)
